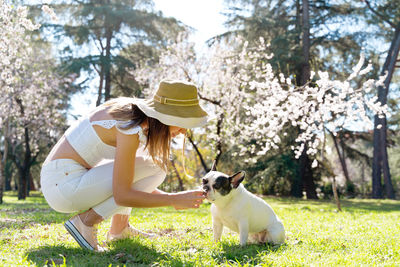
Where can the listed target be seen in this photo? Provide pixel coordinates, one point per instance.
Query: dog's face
(217, 184)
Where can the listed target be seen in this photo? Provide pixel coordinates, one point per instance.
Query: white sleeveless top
(84, 139)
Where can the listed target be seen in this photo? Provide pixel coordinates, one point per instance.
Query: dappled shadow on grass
(21, 218)
(6, 223)
(249, 254)
(129, 252)
(35, 197)
(349, 205)
(34, 210)
(370, 205)
(48, 254)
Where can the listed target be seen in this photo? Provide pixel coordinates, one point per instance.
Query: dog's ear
(237, 178)
(214, 166)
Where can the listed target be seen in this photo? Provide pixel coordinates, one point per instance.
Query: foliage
(256, 106)
(334, 44)
(32, 234)
(33, 92)
(176, 176)
(98, 39)
(394, 160)
(380, 163)
(13, 52)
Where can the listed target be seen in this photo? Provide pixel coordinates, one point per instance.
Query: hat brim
(182, 116)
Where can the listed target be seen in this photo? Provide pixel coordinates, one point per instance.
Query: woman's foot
(86, 236)
(128, 232)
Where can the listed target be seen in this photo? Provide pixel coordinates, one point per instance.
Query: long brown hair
(158, 136)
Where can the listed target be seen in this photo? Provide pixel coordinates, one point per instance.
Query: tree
(256, 105)
(387, 12)
(13, 24)
(332, 48)
(100, 30)
(305, 170)
(286, 25)
(35, 122)
(28, 78)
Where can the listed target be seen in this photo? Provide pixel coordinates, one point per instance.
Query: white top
(84, 139)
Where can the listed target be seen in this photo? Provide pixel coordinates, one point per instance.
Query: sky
(204, 16)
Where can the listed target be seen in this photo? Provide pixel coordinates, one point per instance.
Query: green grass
(366, 233)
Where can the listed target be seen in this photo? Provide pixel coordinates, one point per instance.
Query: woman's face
(175, 130)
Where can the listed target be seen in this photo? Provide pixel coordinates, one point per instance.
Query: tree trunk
(305, 70)
(107, 67)
(31, 186)
(380, 162)
(24, 170)
(219, 142)
(22, 185)
(180, 181)
(2, 177)
(203, 163)
(305, 170)
(296, 189)
(376, 166)
(100, 91)
(3, 161)
(335, 194)
(9, 171)
(7, 186)
(25, 164)
(341, 159)
(344, 164)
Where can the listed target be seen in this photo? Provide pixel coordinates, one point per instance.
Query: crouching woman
(135, 136)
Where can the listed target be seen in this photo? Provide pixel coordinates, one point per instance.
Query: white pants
(69, 187)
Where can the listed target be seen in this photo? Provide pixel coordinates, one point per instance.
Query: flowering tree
(12, 52)
(254, 107)
(30, 94)
(36, 119)
(210, 74)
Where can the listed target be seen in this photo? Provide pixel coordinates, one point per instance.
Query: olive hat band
(176, 102)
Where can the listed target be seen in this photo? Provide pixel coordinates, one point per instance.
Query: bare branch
(218, 103)
(379, 14)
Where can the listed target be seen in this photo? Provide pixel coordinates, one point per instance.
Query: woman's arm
(158, 191)
(123, 176)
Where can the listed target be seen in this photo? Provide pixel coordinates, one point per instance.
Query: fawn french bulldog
(241, 211)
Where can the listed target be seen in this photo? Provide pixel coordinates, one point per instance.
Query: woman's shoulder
(124, 127)
(100, 113)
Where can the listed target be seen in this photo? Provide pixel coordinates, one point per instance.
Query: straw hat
(175, 103)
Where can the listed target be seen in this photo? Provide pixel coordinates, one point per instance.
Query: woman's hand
(188, 199)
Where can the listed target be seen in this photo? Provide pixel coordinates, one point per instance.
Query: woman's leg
(59, 179)
(92, 191)
(147, 178)
(118, 223)
(90, 217)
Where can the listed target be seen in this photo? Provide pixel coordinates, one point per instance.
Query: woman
(136, 135)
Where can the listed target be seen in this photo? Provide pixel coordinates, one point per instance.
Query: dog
(239, 210)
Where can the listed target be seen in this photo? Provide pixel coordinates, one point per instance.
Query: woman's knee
(145, 167)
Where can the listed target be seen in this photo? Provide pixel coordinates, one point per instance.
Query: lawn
(366, 233)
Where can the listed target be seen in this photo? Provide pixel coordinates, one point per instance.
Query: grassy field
(366, 233)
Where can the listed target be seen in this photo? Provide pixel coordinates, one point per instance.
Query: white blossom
(314, 164)
(46, 9)
(29, 88)
(259, 106)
